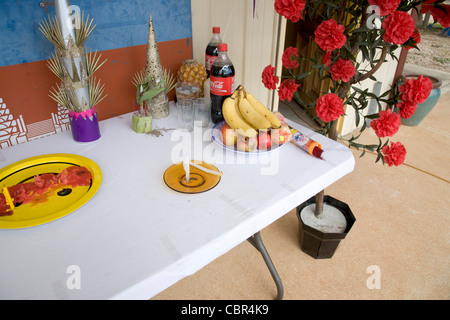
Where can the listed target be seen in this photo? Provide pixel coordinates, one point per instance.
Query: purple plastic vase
(84, 125)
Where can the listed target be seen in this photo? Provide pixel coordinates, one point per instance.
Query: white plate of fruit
(264, 141)
(249, 126)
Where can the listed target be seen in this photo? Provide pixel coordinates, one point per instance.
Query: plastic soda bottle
(212, 50)
(222, 82)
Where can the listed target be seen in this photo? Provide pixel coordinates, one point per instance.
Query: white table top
(136, 237)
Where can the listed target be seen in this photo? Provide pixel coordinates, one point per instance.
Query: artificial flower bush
(340, 44)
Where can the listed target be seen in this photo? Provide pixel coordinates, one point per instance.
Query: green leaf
(302, 75)
(147, 95)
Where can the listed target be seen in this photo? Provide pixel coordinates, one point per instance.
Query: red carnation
(329, 35)
(288, 58)
(443, 17)
(394, 154)
(326, 60)
(387, 124)
(269, 79)
(329, 107)
(290, 9)
(399, 27)
(438, 14)
(287, 89)
(386, 6)
(416, 90)
(407, 109)
(415, 38)
(343, 70)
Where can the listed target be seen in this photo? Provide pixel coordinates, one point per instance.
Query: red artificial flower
(329, 35)
(343, 70)
(269, 79)
(416, 90)
(427, 7)
(386, 6)
(394, 154)
(407, 109)
(326, 60)
(399, 27)
(415, 38)
(288, 58)
(443, 17)
(290, 9)
(387, 124)
(287, 89)
(438, 14)
(329, 107)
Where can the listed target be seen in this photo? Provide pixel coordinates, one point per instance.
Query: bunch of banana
(243, 112)
(233, 117)
(262, 110)
(250, 114)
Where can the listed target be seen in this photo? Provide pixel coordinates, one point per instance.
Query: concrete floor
(401, 236)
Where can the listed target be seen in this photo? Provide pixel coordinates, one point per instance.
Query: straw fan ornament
(79, 91)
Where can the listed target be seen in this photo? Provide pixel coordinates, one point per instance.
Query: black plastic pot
(318, 244)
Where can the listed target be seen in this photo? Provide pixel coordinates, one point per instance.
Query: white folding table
(136, 237)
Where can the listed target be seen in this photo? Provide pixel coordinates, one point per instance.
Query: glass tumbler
(186, 91)
(202, 112)
(185, 111)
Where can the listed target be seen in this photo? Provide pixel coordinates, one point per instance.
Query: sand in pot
(331, 221)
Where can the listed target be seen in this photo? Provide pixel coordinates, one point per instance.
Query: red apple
(245, 143)
(228, 135)
(264, 140)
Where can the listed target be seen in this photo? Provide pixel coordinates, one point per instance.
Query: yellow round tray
(29, 215)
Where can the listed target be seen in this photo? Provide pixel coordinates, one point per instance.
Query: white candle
(186, 165)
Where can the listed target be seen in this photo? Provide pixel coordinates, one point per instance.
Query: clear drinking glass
(185, 111)
(186, 91)
(202, 112)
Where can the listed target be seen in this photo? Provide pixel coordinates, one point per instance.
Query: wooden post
(318, 212)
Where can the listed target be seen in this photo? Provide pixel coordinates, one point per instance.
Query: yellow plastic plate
(30, 215)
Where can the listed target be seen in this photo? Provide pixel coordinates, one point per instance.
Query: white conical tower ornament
(159, 104)
(153, 66)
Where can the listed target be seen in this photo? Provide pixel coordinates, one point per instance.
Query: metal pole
(256, 241)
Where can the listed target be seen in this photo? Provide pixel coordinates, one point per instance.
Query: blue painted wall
(120, 23)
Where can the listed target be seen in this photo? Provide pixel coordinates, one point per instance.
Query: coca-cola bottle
(222, 82)
(212, 50)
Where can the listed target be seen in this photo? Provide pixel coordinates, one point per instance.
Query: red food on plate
(44, 186)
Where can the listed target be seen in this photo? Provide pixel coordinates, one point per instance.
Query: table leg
(256, 241)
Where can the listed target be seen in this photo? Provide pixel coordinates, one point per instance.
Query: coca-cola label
(209, 60)
(222, 86)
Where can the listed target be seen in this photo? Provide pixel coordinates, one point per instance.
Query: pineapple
(192, 72)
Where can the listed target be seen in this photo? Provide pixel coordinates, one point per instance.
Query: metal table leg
(256, 241)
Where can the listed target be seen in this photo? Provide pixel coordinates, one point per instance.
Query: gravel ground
(434, 51)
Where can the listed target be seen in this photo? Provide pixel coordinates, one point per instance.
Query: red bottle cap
(216, 29)
(223, 47)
